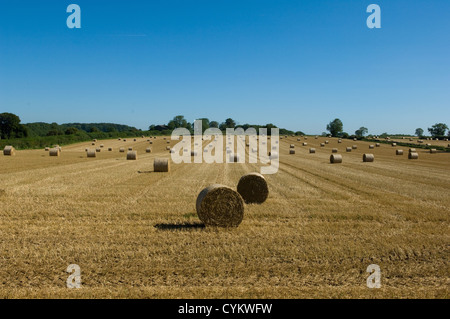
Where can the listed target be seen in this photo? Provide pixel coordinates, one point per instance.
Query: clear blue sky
(297, 64)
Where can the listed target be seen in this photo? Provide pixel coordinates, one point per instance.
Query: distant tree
(54, 132)
(71, 131)
(383, 135)
(344, 135)
(299, 133)
(335, 127)
(214, 124)
(152, 127)
(94, 129)
(361, 131)
(419, 132)
(438, 129)
(10, 126)
(229, 123)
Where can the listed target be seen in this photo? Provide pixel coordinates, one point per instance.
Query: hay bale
(327, 142)
(219, 205)
(371, 146)
(339, 141)
(355, 139)
(253, 188)
(312, 150)
(368, 158)
(413, 155)
(148, 150)
(98, 150)
(121, 150)
(412, 150)
(161, 165)
(291, 152)
(298, 140)
(168, 148)
(94, 140)
(110, 149)
(132, 155)
(305, 144)
(134, 140)
(292, 146)
(168, 142)
(348, 149)
(9, 151)
(305, 137)
(101, 145)
(47, 149)
(377, 145)
(354, 147)
(399, 152)
(91, 153)
(334, 150)
(54, 152)
(335, 158)
(433, 151)
(151, 142)
(394, 144)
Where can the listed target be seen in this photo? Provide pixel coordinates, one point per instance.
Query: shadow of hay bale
(183, 226)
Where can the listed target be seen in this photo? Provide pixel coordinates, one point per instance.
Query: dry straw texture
(54, 152)
(91, 153)
(413, 155)
(9, 151)
(220, 206)
(368, 158)
(161, 165)
(253, 188)
(335, 158)
(132, 155)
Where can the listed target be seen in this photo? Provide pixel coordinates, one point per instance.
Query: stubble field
(135, 233)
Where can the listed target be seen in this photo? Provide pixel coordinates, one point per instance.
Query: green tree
(361, 131)
(229, 123)
(438, 129)
(214, 124)
(419, 132)
(10, 126)
(335, 127)
(71, 131)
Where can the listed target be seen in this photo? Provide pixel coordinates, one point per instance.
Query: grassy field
(135, 233)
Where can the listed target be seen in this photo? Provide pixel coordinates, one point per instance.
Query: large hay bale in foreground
(221, 206)
(161, 165)
(253, 188)
(368, 158)
(335, 158)
(132, 155)
(9, 151)
(91, 153)
(399, 152)
(312, 150)
(54, 152)
(413, 155)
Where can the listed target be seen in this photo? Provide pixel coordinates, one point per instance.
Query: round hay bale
(94, 140)
(327, 142)
(134, 140)
(168, 148)
(148, 150)
(101, 145)
(377, 144)
(292, 146)
(394, 144)
(339, 141)
(298, 140)
(354, 147)
(253, 188)
(168, 142)
(412, 150)
(413, 155)
(305, 137)
(124, 140)
(110, 149)
(91, 153)
(98, 150)
(355, 139)
(348, 149)
(368, 158)
(151, 142)
(93, 144)
(54, 152)
(371, 146)
(433, 151)
(322, 144)
(221, 206)
(399, 152)
(291, 152)
(9, 151)
(305, 144)
(312, 150)
(132, 155)
(335, 158)
(86, 149)
(334, 150)
(161, 165)
(47, 149)
(121, 150)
